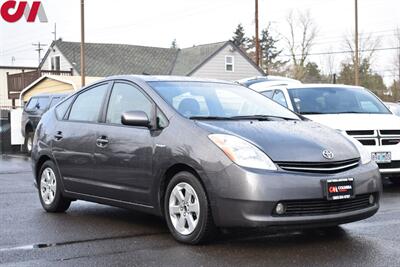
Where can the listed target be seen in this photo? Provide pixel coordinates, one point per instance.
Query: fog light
(280, 208)
(371, 199)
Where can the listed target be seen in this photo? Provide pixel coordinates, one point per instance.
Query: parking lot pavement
(96, 235)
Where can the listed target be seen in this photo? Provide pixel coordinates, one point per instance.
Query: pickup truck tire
(28, 143)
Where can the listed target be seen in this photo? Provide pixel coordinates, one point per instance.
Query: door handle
(58, 136)
(102, 141)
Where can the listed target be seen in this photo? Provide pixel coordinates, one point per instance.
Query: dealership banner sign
(13, 11)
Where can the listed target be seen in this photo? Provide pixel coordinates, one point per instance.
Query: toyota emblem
(328, 154)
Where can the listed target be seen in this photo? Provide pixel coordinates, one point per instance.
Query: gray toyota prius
(203, 154)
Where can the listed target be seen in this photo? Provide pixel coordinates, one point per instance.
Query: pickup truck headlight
(364, 154)
(242, 152)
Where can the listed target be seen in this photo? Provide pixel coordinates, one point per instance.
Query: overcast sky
(193, 22)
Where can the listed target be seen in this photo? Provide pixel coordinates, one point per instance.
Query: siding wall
(64, 64)
(215, 67)
(48, 86)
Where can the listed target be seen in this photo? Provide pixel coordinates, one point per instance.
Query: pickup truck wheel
(28, 143)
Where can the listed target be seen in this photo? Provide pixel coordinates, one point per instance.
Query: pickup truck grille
(323, 206)
(376, 137)
(320, 167)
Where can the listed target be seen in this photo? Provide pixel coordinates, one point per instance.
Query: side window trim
(153, 118)
(66, 116)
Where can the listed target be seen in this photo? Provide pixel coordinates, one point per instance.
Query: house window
(55, 63)
(229, 63)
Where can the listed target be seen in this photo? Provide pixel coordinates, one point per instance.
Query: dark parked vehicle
(32, 114)
(203, 154)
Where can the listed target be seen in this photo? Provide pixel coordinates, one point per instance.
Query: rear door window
(87, 105)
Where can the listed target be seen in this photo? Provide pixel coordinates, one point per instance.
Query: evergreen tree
(239, 37)
(269, 52)
(368, 78)
(269, 57)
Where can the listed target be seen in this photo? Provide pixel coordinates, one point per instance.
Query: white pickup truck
(354, 110)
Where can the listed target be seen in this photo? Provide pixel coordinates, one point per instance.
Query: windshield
(218, 100)
(325, 100)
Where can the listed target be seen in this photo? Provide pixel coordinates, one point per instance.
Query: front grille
(367, 142)
(361, 132)
(376, 138)
(391, 165)
(322, 206)
(390, 142)
(389, 132)
(320, 167)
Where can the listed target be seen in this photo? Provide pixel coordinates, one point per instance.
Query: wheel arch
(169, 174)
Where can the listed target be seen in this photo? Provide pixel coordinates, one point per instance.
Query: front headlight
(242, 152)
(364, 154)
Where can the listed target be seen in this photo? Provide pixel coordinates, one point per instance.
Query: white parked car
(266, 81)
(394, 107)
(355, 111)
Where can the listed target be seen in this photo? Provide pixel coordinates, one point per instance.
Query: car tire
(49, 188)
(28, 143)
(191, 221)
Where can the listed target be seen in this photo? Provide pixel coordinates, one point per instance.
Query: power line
(344, 52)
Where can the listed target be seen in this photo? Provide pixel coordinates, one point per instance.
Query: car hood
(288, 141)
(358, 121)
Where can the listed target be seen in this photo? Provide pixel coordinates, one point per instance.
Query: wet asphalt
(96, 235)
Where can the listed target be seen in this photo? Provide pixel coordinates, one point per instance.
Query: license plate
(381, 157)
(339, 188)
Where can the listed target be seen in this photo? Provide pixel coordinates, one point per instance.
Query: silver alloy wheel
(184, 208)
(48, 186)
(29, 144)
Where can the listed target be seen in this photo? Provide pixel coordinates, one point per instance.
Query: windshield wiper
(262, 118)
(311, 113)
(349, 112)
(209, 118)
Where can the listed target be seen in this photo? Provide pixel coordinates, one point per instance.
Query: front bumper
(247, 198)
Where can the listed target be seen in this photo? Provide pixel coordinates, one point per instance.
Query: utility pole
(257, 37)
(55, 32)
(83, 42)
(39, 50)
(357, 58)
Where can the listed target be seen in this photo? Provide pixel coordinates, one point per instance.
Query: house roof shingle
(117, 59)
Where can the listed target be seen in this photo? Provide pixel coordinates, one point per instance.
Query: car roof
(165, 78)
(321, 85)
(269, 78)
(49, 95)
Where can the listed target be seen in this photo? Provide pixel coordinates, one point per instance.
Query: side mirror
(135, 118)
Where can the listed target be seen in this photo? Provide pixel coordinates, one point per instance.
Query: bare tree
(303, 32)
(367, 47)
